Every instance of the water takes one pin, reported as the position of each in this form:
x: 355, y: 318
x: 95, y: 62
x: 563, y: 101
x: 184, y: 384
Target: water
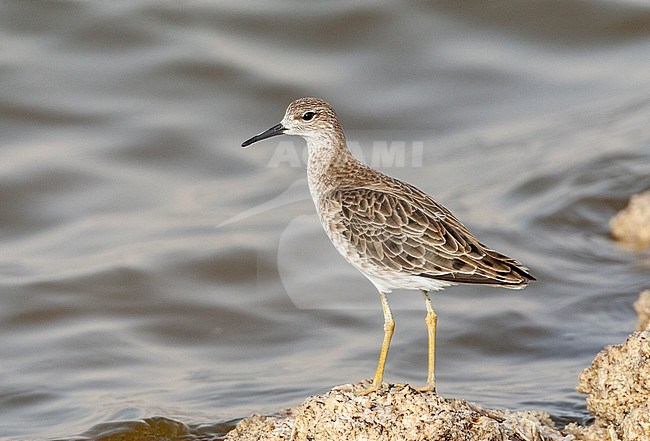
x: 157, y: 278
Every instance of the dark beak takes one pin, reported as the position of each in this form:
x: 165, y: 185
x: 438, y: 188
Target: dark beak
x: 273, y: 131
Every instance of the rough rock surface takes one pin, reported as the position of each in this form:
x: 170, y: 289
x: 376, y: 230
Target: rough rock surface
x: 617, y: 385
x: 632, y: 224
x: 396, y: 412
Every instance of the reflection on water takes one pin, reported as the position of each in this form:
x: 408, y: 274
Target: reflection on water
x: 156, y: 279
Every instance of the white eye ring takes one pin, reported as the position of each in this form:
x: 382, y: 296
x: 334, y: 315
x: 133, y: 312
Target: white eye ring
x: 308, y: 116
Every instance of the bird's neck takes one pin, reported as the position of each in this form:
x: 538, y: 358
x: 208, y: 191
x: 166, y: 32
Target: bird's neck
x: 328, y: 161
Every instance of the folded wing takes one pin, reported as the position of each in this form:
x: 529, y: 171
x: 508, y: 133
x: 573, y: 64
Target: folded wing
x: 407, y: 231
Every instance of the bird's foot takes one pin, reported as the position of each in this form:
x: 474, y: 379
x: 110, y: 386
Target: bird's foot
x: 374, y: 387
x: 427, y: 388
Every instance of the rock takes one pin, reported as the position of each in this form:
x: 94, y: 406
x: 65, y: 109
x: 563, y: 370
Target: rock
x: 396, y: 412
x: 632, y: 224
x: 589, y: 433
x: 636, y: 425
x: 257, y: 427
x: 642, y: 308
x: 617, y: 385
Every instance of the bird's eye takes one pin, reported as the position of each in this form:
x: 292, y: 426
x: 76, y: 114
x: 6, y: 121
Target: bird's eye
x: 308, y: 116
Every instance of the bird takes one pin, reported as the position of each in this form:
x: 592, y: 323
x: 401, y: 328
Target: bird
x: 395, y: 234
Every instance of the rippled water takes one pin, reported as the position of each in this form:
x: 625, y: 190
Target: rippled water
x: 151, y: 269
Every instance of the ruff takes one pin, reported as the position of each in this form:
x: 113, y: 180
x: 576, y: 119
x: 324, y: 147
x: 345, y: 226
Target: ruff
x: 392, y: 232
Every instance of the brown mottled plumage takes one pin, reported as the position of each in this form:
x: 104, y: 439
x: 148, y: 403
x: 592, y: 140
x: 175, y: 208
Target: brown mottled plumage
x: 391, y: 231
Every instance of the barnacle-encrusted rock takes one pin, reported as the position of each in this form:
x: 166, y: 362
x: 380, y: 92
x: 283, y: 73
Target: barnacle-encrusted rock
x: 617, y: 385
x: 397, y: 412
x: 632, y: 224
x: 618, y: 380
x: 636, y: 425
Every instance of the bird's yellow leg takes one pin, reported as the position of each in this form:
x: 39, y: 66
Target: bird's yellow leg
x: 389, y: 327
x: 431, y: 321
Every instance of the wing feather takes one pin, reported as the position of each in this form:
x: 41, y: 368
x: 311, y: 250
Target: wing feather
x: 407, y: 231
